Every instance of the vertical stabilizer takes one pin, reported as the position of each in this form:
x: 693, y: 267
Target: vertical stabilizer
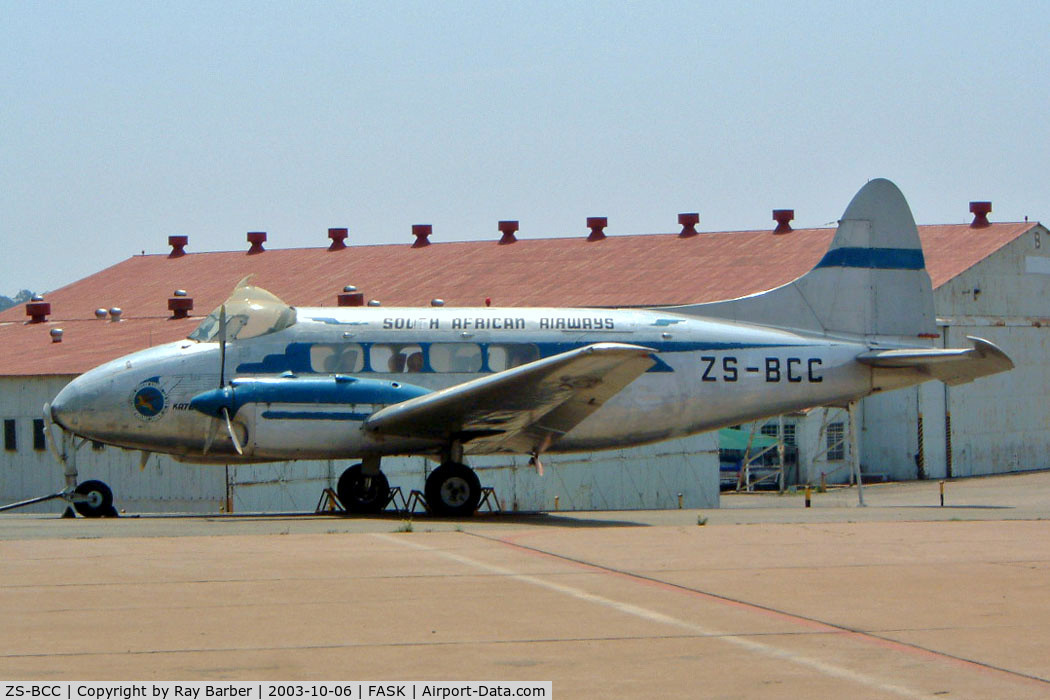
x: 871, y: 282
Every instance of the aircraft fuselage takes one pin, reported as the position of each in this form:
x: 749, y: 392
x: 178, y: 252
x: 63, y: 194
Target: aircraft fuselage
x: 707, y: 374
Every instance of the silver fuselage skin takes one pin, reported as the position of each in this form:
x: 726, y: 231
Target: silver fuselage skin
x: 708, y: 374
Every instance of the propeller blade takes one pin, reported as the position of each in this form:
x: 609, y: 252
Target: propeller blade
x: 535, y: 463
x: 222, y: 346
x: 210, y: 433
x: 233, y: 435
x: 49, y: 434
x: 143, y: 458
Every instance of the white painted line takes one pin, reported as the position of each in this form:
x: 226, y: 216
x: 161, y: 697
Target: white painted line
x: 827, y: 669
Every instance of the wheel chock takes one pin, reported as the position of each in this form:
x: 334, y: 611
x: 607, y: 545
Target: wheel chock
x: 329, y: 503
x: 395, y: 495
x: 488, y: 498
x: 416, y: 498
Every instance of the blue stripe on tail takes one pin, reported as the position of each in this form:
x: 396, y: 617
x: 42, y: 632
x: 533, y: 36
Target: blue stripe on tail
x: 874, y: 258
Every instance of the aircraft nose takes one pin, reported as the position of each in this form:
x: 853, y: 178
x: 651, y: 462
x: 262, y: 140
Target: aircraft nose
x: 67, y: 406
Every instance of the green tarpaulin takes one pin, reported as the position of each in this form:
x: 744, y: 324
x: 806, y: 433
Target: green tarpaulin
x: 732, y: 439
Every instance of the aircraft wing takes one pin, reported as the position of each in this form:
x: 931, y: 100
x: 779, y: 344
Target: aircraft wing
x: 522, y: 409
x: 951, y: 366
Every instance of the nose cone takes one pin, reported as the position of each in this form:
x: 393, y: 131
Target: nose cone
x: 68, y: 407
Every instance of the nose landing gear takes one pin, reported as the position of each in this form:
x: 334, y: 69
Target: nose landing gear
x: 93, y: 499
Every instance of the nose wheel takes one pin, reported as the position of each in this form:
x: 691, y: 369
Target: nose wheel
x: 93, y: 499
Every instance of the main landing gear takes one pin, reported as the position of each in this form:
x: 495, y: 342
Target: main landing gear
x: 452, y: 490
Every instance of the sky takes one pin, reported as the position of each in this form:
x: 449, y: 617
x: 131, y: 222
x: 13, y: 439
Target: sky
x: 122, y: 123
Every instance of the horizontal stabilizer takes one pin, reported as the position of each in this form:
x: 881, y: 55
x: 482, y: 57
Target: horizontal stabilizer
x: 524, y: 409
x: 951, y: 366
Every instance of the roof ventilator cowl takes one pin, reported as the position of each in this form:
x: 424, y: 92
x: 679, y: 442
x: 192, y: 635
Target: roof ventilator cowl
x: 980, y: 211
x: 338, y: 236
x: 178, y: 246
x: 179, y: 304
x: 350, y: 297
x: 783, y: 217
x: 38, y: 309
x: 422, y: 233
x: 688, y: 222
x: 597, y: 225
x: 256, y: 238
x: 508, y: 228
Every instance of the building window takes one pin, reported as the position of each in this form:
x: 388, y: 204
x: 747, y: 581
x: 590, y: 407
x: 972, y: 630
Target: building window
x: 10, y: 436
x: 770, y: 430
x: 789, y: 435
x: 97, y: 446
x: 39, y: 443
x: 836, y: 442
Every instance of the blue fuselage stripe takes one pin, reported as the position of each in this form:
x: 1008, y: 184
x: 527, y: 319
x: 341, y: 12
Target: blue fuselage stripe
x: 314, y: 415
x: 874, y: 258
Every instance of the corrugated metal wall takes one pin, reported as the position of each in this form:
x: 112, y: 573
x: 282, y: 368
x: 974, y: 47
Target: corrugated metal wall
x: 644, y: 477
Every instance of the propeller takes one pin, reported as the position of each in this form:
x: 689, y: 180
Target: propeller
x: 224, y: 410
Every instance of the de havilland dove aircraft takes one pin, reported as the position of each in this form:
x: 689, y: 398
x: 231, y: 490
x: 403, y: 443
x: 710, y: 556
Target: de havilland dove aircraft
x: 259, y: 380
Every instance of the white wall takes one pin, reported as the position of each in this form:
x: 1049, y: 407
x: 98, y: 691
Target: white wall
x: 645, y: 477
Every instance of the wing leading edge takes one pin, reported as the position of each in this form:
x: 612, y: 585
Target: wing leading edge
x: 524, y: 409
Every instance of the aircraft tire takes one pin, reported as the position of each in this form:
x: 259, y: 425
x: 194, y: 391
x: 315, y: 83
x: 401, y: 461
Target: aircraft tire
x: 99, y: 501
x: 363, y: 494
x: 453, y: 490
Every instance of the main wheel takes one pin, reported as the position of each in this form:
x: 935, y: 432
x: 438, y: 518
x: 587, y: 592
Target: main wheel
x: 98, y: 499
x: 453, y: 490
x: 363, y: 493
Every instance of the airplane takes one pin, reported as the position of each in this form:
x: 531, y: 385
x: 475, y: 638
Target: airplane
x: 259, y: 380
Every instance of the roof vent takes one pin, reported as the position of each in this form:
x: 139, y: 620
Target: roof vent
x: 101, y: 314
x: 178, y: 246
x: 374, y: 302
x: 36, y: 297
x: 437, y: 302
x: 256, y: 238
x: 179, y: 304
x: 980, y: 211
x: 56, y: 335
x: 115, y: 314
x: 783, y: 217
x: 688, y: 223
x: 596, y: 224
x: 422, y: 233
x: 350, y: 297
x: 338, y: 236
x: 507, y: 228
x: 37, y: 310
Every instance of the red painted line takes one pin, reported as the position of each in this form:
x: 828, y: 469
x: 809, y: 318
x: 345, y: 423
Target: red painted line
x: 816, y: 625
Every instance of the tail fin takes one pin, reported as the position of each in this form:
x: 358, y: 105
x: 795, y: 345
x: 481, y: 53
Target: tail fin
x: 871, y: 282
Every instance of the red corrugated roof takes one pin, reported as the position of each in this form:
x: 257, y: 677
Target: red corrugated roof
x: 638, y: 270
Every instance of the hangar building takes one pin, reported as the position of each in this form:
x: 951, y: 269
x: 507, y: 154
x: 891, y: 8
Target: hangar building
x: 990, y: 280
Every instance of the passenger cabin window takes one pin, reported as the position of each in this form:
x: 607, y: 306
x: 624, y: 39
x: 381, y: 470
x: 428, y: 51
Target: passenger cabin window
x: 397, y: 358
x: 10, y: 436
x: 332, y: 359
x: 455, y: 357
x: 503, y: 357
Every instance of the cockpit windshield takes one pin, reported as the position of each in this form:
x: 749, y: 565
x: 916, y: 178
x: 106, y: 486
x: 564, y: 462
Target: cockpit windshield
x: 250, y: 312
